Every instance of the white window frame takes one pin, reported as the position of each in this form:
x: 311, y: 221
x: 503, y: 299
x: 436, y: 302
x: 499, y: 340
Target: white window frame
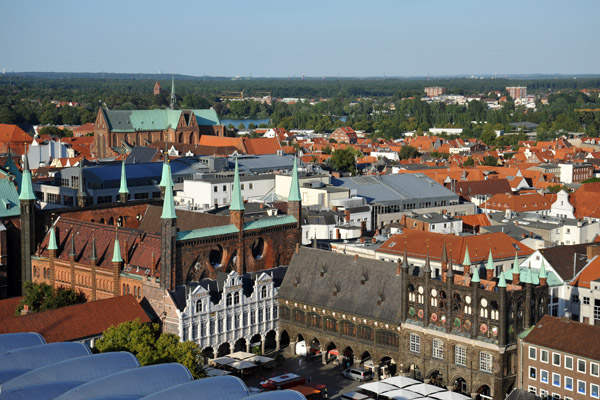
x: 532, y: 389
x: 542, y: 373
x: 460, y: 355
x: 592, y: 387
x: 486, y: 361
x: 554, y: 375
x: 437, y: 349
x: 415, y: 343
x: 556, y: 355
x: 584, y: 366
x: 584, y: 386
x: 543, y: 393
x: 534, y: 349
x: 592, y: 365
x: 568, y: 398
x: 547, y: 353
x: 567, y: 358
x: 534, y: 372
x: 566, y: 385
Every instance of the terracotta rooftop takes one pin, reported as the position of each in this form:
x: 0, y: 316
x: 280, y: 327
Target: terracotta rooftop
x: 260, y: 146
x: 8, y: 307
x: 77, y: 322
x: 552, y: 332
x: 519, y: 203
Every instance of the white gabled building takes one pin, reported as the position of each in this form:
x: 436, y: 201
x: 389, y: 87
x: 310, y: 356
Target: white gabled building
x: 561, y: 207
x: 231, y: 313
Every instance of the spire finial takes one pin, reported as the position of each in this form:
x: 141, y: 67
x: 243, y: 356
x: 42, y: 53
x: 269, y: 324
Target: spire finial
x: 26, y: 188
x: 237, y: 201
x: 93, y: 257
x: 467, y: 259
x: 168, y: 211
x: 173, y: 98
x: 490, y: 263
x: 123, y: 189
x: 543, y: 274
x: 475, y: 277
x: 52, y: 242
x: 117, y: 250
x: 405, y: 261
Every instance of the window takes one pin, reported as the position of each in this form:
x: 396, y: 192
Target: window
x: 586, y: 300
x: 594, y: 369
x: 220, y: 326
x: 575, y: 298
x: 543, y: 393
x: 224, y: 188
x: 229, y: 299
x: 532, y: 389
x: 438, y: 349
x: 263, y: 292
x: 242, y: 186
x: 212, y: 327
x: 568, y: 362
x: 556, y: 359
x: 568, y: 383
x: 199, y: 306
x: 556, y: 380
x: 236, y: 321
x: 580, y: 387
x: 581, y: 366
x: 532, y: 353
x: 485, y: 362
x: 415, y: 343
x: 228, y: 322
x: 543, y: 376
x: 215, y: 189
x: 532, y: 373
x: 236, y: 298
x: 544, y: 356
x: 594, y: 390
x: 460, y: 355
x: 251, y: 185
x: 245, y: 319
x: 253, y: 317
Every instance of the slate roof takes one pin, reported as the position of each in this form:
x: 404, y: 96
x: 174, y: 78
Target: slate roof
x: 141, y: 154
x: 561, y: 259
x: 78, y: 321
x: 186, y: 220
x: 345, y: 274
x: 550, y: 332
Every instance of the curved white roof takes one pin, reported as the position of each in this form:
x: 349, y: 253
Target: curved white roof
x: 17, y: 362
x: 44, y: 391
x: 278, y: 395
x: 13, y: 341
x: 78, y: 370
x: 218, y: 387
x: 136, y: 383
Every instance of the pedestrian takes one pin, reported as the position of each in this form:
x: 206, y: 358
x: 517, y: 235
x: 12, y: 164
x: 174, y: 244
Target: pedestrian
x: 300, y: 362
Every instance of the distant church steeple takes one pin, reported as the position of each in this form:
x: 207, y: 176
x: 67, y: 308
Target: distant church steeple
x: 173, y: 98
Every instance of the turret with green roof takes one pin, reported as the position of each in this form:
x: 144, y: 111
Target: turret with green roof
x: 502, y: 281
x: 475, y: 278
x: 516, y: 273
x: 52, y: 242
x: 489, y: 267
x: 543, y: 274
x: 168, y: 211
x: 467, y: 261
x: 117, y: 251
x: 123, y: 191
x: 27, y: 192
x: 295, y: 186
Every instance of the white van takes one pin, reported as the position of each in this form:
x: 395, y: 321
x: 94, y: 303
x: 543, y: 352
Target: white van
x: 358, y: 374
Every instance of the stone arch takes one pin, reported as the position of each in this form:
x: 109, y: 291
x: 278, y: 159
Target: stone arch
x: 284, y: 339
x: 414, y: 371
x: 224, y: 349
x: 387, y: 366
x: 208, y: 352
x: 541, y: 307
x: 270, y: 341
x: 366, y: 356
x: 460, y: 385
x: 258, y: 248
x: 436, y: 377
x: 215, y: 256
x: 348, y: 355
x: 299, y: 337
x: 256, y: 341
x: 483, y: 392
x: 240, y: 345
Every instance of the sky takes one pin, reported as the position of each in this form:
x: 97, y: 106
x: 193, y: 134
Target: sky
x: 283, y: 38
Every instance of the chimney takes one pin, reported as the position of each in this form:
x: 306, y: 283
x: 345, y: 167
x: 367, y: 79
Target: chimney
x: 152, y: 263
x: 297, y: 248
x: 362, y: 239
x: 25, y: 309
x: 355, y: 257
x: 347, y: 215
x: 516, y: 276
x: 592, y: 251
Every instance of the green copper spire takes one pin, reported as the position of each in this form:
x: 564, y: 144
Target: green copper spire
x: 26, y: 185
x: 475, y: 277
x: 543, y: 274
x: 123, y: 188
x: 168, y: 211
x: 117, y: 251
x: 52, y: 242
x: 237, y: 203
x: 165, y: 170
x: 490, y: 263
x: 515, y: 268
x: 502, y: 280
x: 295, y: 186
x: 467, y: 260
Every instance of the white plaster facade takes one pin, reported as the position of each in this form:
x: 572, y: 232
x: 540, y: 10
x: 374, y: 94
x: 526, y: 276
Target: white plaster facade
x: 206, y: 193
x: 561, y: 207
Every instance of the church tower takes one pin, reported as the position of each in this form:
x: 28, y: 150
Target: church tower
x: 173, y: 98
x: 169, y: 237
x: 236, y: 217
x: 294, y: 205
x: 27, y: 204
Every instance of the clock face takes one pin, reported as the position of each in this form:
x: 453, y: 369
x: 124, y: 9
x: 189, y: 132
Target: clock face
x: 484, y: 303
x: 468, y: 299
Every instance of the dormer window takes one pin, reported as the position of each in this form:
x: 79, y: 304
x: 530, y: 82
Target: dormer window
x: 263, y: 292
x: 199, y: 306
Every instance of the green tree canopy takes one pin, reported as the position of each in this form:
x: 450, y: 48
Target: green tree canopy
x: 42, y: 297
x: 469, y: 162
x: 407, y: 152
x: 344, y: 159
x: 150, y: 346
x: 490, y: 161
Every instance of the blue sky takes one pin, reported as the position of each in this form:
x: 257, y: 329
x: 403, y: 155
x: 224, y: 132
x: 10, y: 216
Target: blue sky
x: 290, y: 38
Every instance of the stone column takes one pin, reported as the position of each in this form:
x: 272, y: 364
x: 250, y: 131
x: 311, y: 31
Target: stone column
x: 277, y: 339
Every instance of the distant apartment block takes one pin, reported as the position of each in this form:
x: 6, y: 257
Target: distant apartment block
x: 435, y: 91
x: 517, y: 92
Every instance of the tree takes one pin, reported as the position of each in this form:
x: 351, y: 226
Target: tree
x: 42, y: 297
x: 490, y: 161
x: 407, y: 152
x: 469, y: 162
x: 150, y: 346
x: 54, y: 131
x: 344, y: 159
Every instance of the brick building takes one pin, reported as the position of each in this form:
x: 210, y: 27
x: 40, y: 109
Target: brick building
x: 459, y: 330
x: 560, y: 359
x: 344, y: 134
x: 517, y: 92
x: 435, y: 91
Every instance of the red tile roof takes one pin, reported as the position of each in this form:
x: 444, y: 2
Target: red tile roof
x: 79, y: 321
x: 567, y: 336
x: 14, y: 137
x: 519, y: 203
x: 260, y: 146
x: 8, y: 307
x: 589, y: 273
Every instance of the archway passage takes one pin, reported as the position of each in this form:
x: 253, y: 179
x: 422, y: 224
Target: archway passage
x: 387, y: 367
x: 208, y: 352
x: 436, y: 378
x: 484, y: 393
x: 299, y: 338
x: 284, y: 340
x: 240, y: 345
x: 348, y: 356
x: 215, y: 256
x: 460, y: 385
x: 232, y: 264
x: 224, y: 349
x: 270, y: 342
x: 332, y: 352
x: 414, y: 372
x: 256, y: 344
x: 258, y: 248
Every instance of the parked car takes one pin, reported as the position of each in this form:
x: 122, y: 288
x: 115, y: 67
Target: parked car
x: 358, y: 374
